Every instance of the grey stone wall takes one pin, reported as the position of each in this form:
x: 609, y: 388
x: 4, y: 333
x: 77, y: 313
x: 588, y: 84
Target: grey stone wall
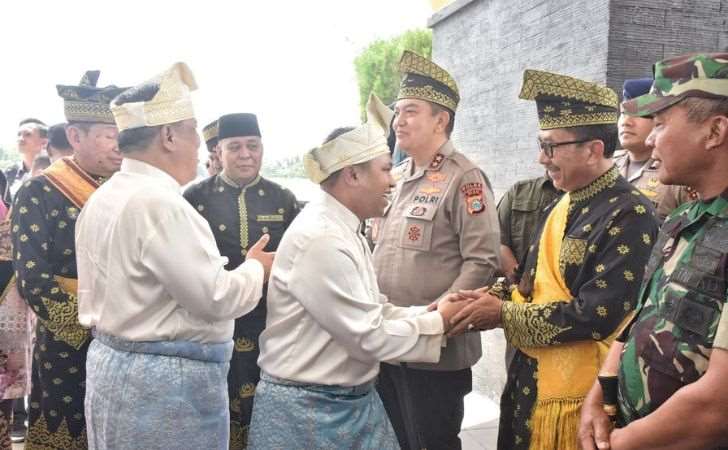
x: 644, y: 31
x: 486, y: 45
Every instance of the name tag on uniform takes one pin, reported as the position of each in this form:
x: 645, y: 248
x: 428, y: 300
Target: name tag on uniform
x: 269, y: 217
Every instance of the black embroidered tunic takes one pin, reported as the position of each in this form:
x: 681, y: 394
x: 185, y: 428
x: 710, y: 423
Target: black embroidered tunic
x: 609, y: 234
x: 238, y: 217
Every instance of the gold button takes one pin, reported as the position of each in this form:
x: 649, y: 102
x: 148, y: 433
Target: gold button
x: 222, y: 227
x: 261, y: 192
x: 265, y: 229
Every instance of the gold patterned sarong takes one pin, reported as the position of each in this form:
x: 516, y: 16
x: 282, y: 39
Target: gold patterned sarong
x: 566, y: 371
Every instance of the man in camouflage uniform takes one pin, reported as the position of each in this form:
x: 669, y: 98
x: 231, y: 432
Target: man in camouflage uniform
x: 241, y: 206
x: 635, y: 162
x: 44, y: 216
x: 672, y: 361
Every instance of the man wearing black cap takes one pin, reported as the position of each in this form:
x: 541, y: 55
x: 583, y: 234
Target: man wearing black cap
x: 635, y: 162
x: 213, y: 165
x: 44, y: 217
x: 241, y: 206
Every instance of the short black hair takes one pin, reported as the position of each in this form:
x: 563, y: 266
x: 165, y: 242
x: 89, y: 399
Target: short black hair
x: 436, y: 109
x: 83, y: 126
x: 605, y: 133
x: 31, y: 120
x: 57, y: 137
x: 336, y: 133
x: 41, y: 161
x: 137, y: 138
x: 40, y: 125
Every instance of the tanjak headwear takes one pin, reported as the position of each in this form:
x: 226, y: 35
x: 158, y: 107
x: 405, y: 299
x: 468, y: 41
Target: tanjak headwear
x: 86, y: 102
x: 172, y: 103
x: 422, y: 79
x: 565, y: 102
x: 357, y: 146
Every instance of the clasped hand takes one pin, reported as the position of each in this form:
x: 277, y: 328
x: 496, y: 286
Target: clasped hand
x: 468, y: 310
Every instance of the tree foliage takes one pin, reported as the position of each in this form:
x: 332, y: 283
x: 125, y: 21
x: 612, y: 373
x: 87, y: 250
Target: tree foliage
x: 376, y: 66
x: 285, y: 168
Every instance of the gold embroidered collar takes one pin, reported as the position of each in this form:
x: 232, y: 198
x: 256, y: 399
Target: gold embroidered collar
x: 606, y: 180
x: 231, y: 183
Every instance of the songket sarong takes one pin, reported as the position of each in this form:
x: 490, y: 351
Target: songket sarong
x: 157, y: 395
x: 16, y: 338
x: 290, y: 415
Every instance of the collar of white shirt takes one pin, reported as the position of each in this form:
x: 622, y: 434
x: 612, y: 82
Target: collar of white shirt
x: 136, y: 167
x: 349, y: 218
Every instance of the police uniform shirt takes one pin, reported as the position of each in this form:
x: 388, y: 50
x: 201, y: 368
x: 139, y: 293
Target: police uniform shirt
x: 665, y: 198
x: 439, y: 235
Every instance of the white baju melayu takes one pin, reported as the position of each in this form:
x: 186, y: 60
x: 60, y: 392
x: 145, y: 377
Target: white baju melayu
x: 153, y: 286
x: 327, y: 329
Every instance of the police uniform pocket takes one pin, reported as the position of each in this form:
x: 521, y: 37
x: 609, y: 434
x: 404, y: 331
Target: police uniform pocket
x: 417, y: 231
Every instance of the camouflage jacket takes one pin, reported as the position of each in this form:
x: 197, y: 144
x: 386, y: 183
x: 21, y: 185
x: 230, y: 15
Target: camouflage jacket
x: 679, y: 320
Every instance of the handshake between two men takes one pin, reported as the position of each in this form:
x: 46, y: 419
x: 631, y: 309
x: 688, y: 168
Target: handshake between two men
x: 470, y: 310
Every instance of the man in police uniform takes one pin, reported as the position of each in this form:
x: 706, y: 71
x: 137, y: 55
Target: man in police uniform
x: 209, y: 133
x: 44, y: 217
x: 635, y: 162
x: 672, y: 361
x: 240, y: 207
x: 439, y: 235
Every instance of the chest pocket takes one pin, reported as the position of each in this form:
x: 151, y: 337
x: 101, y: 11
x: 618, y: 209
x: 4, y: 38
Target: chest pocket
x: 688, y: 318
x: 418, y: 224
x: 524, y: 212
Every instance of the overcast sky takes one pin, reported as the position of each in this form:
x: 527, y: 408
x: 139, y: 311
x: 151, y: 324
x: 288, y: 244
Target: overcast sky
x: 288, y: 61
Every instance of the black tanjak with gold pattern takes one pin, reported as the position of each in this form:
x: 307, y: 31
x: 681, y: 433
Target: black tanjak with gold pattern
x: 608, y: 238
x: 209, y: 133
x: 88, y: 103
x: 565, y: 102
x: 424, y: 80
x: 43, y: 224
x: 238, y: 218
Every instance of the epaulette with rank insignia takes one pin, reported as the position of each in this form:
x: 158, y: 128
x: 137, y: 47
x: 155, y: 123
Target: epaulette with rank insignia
x: 437, y: 162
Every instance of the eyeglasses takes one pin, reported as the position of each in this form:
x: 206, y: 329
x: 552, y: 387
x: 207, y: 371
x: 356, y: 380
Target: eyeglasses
x: 548, y: 147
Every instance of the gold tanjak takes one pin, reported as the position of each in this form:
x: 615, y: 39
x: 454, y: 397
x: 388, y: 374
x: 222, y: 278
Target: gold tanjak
x: 359, y: 145
x: 171, y: 104
x: 210, y: 131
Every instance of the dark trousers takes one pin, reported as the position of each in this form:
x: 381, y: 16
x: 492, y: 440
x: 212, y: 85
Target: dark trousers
x: 425, y: 406
x: 20, y: 414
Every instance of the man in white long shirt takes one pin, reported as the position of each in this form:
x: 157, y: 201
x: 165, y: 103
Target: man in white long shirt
x: 153, y: 286
x: 327, y: 326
